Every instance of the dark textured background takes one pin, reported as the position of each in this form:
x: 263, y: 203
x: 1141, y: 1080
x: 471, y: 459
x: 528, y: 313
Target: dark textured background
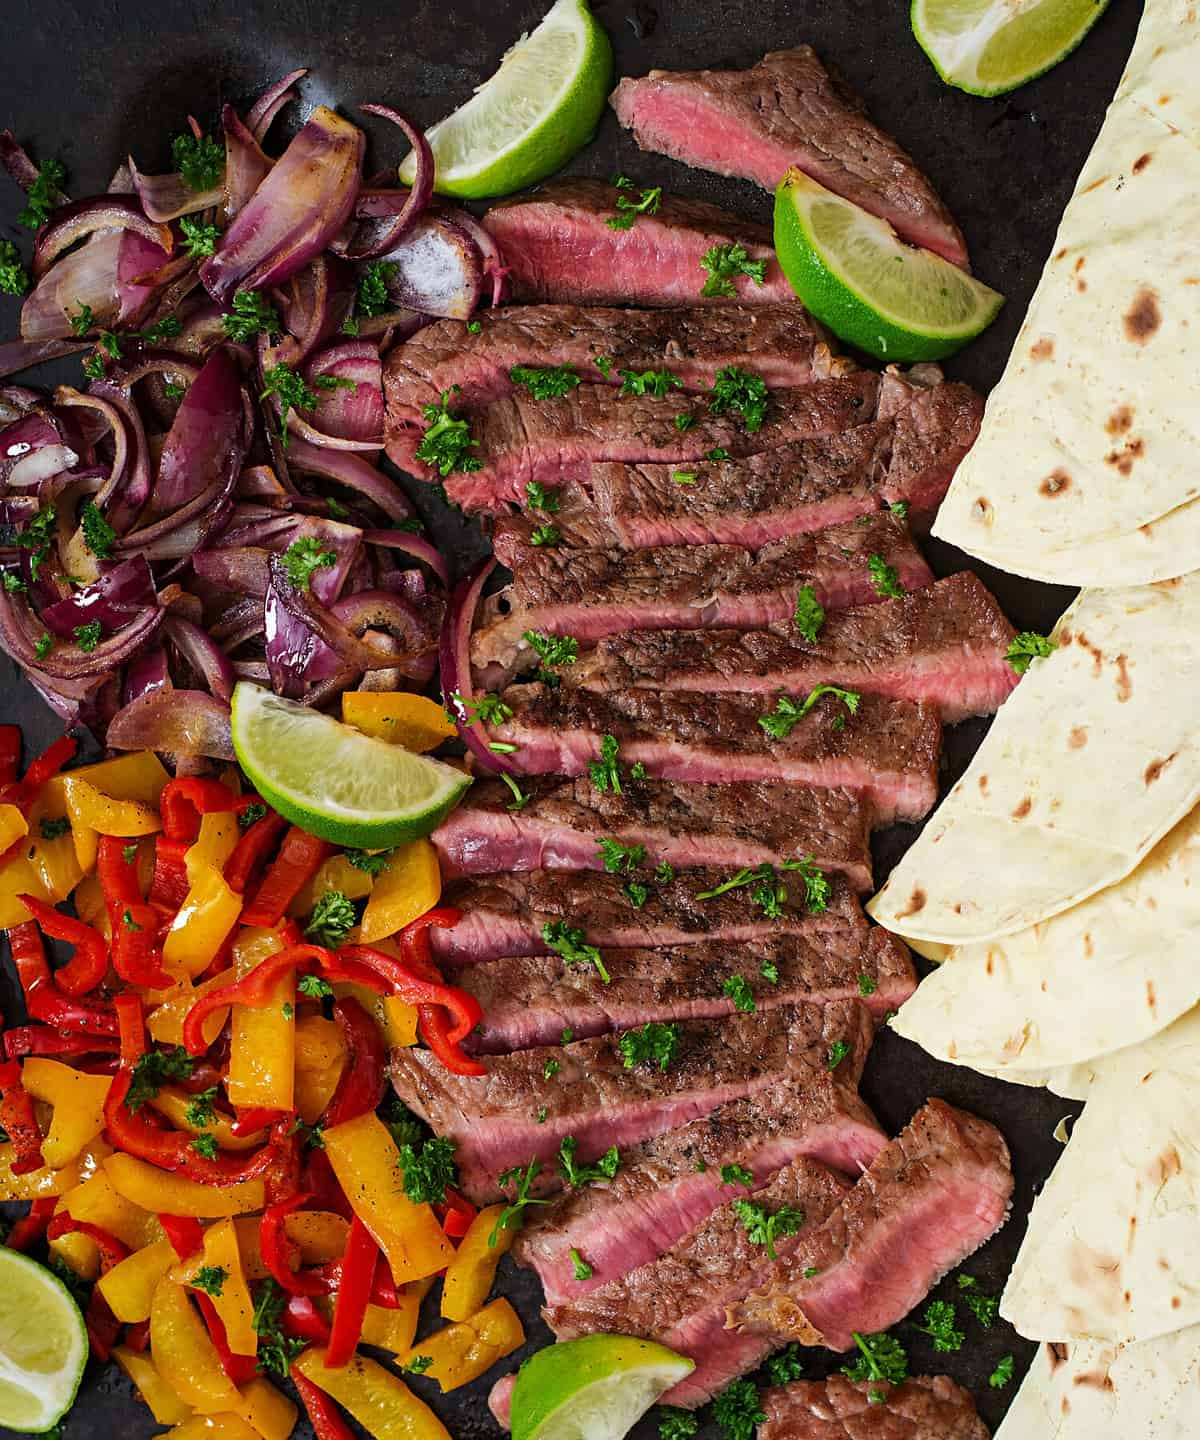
x: 90, y: 81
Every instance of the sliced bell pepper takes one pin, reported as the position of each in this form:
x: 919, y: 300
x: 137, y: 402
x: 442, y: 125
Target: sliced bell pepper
x: 267, y: 1409
x: 165, y: 1021
x: 90, y: 906
x: 24, y: 1040
x: 138, y: 776
x: 216, y: 842
x: 262, y: 1057
x: 169, y: 886
x: 97, y: 1203
x: 25, y: 791
x: 88, y: 966
x: 137, y: 1337
x: 213, y: 1427
x: 209, y: 912
x: 303, y: 1321
x: 239, y: 1368
x: 396, y: 1020
x: 336, y: 873
x: 409, y: 885
x: 457, y: 1214
x: 318, y: 1235
x: 38, y: 1184
x: 185, y: 1234
x: 358, y: 1271
x: 103, y: 1327
x: 184, y: 1353
x: 400, y: 718
x: 29, y: 1229
x: 364, y: 1159
x: 252, y: 850
x: 134, y: 925
x: 471, y: 1274
x: 276, y: 1249
x: 187, y: 799
x: 319, y: 1042
x: 129, y: 1287
x: 78, y: 1106
x: 464, y: 1351
x: 12, y: 826
x: 300, y: 856
x: 92, y: 814
x: 19, y: 877
x: 323, y: 1414
x: 314, y: 1089
x: 380, y: 1402
x: 155, y: 1190
x: 175, y: 1103
x: 159, y: 1398
x: 365, y: 1077
x: 76, y: 1251
x: 19, y: 1120
x: 394, y: 1328
x: 43, y: 999
x: 112, y: 1252
x: 440, y: 1027
x: 232, y: 1303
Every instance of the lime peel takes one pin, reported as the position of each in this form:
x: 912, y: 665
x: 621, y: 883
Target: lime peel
x: 43, y: 1345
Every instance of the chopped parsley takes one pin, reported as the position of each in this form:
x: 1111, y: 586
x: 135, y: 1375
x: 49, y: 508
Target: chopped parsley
x: 152, y: 1072
x: 717, y: 453
x: 939, y: 1325
x: 736, y: 1410
x: 629, y: 209
x: 636, y: 893
x: 489, y: 709
x: 1002, y: 1374
x: 129, y: 853
x: 676, y: 1424
x: 81, y: 321
x: 93, y: 366
x: 253, y: 314
x: 429, y: 1170
x: 550, y: 1069
x: 129, y: 922
x: 899, y: 509
x: 292, y: 392
x: 87, y: 637
x: 13, y: 583
x: 165, y: 329
x: 289, y: 1010
x: 739, y: 392
x: 571, y: 946
x: 402, y: 1124
x: 316, y: 987
x: 684, y: 421
x: 737, y: 1175
x: 446, y: 444
x: 583, y: 1271
x: 251, y: 815
x: 474, y: 327
x: 14, y: 279
x: 866, y: 985
x: 545, y: 535
x: 985, y: 1308
x: 200, y: 1110
x: 38, y: 536
x: 43, y: 645
x: 620, y: 859
x: 547, y: 382
x: 664, y: 873
x: 369, y: 862
x: 302, y: 557
x: 810, y: 613
x: 44, y: 195
x: 567, y: 1035
x: 205, y: 1146
x: 98, y: 534
x: 737, y: 989
x: 649, y: 382
x: 513, y: 1215
x: 199, y: 237
x: 882, y: 1359
x: 769, y: 972
x: 605, y: 772
x: 769, y: 893
x: 210, y: 1278
x: 578, y: 1176
x: 199, y: 160
x: 276, y: 1351
x: 723, y: 262
x: 417, y: 1365
x: 604, y: 365
x: 1027, y: 647
x: 763, y: 1228
x: 683, y: 477
x: 885, y: 578
x: 653, y: 1044
x: 552, y: 651
x: 54, y: 829
x: 520, y: 799
x: 372, y: 296
x: 837, y: 1053
x: 539, y: 497
x: 332, y: 919
x: 780, y: 722
x: 786, y: 1366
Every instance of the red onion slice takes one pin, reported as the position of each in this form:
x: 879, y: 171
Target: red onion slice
x: 74, y: 222
x: 246, y: 167
x: 132, y: 489
x: 494, y: 268
x: 353, y: 472
x: 388, y: 216
x: 18, y: 355
x: 167, y: 197
x: 208, y: 440
x: 269, y: 104
x: 202, y: 653
x: 315, y: 306
x: 87, y: 276
x: 175, y: 722
x: 20, y: 167
x: 415, y: 545
x: 454, y: 654
x: 438, y: 270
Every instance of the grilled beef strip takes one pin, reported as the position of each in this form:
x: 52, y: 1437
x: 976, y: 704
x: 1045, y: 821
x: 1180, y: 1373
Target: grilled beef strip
x: 788, y: 110
x: 687, y: 826
x: 513, y: 1114
x: 529, y: 1001
x: 945, y: 644
x: 929, y: 1199
x: 924, y: 1407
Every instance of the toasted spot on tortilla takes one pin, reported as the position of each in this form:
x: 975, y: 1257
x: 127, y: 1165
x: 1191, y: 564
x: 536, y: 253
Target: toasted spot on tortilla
x: 1166, y: 1166
x: 1042, y: 349
x: 1141, y: 162
x: 1078, y: 737
x: 1120, y: 421
x: 1089, y: 945
x: 1123, y: 459
x: 1176, y: 1302
x: 1124, y: 683
x: 1056, y: 1354
x: 1156, y: 768
x: 983, y: 785
x: 1055, y: 483
x: 1023, y: 808
x: 1096, y: 184
x: 1151, y: 996
x: 1094, y: 1379
x: 1144, y: 317
x: 916, y: 903
x: 1081, y: 285
x: 982, y: 510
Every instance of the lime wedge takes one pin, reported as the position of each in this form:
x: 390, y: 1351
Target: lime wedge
x: 43, y: 1345
x: 851, y: 270
x: 537, y: 110
x: 334, y: 781
x: 989, y: 46
x: 596, y: 1388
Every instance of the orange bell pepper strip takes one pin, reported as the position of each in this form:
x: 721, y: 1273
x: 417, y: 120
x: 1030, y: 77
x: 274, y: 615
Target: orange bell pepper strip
x: 184, y: 1353
x: 78, y: 1106
x: 13, y: 827
x: 465, y: 1351
x: 44, y: 1183
x: 393, y: 1328
x: 319, y: 1042
x: 153, y: 1189
x: 165, y: 1021
x: 409, y: 884
x: 381, y: 1402
x: 471, y: 1274
x: 269, y: 1412
x: 400, y: 718
x: 336, y: 873
x: 299, y: 857
x: 205, y: 920
x: 129, y: 1287
x: 224, y: 1426
x: 159, y: 1398
x: 176, y: 1103
x: 231, y: 1299
x: 98, y: 1203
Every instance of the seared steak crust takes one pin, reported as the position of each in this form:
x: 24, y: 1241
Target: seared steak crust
x: 925, y: 1407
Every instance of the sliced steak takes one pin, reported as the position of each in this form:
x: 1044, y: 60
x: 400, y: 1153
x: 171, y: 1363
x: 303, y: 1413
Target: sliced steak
x: 532, y: 1000
x: 514, y: 1114
x: 557, y: 246
x: 503, y: 915
x: 593, y: 593
x: 668, y: 1185
x: 687, y: 826
x: 780, y: 342
x: 930, y: 1199
x: 934, y: 424
x: 787, y: 110
x: 945, y: 644
x: 888, y: 750
x: 680, y: 1298
x: 522, y: 440
x: 925, y: 1407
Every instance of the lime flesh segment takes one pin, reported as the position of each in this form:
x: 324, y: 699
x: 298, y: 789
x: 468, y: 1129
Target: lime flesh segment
x: 988, y: 47
x: 890, y: 299
x: 596, y: 1388
x: 43, y: 1345
x: 541, y: 107
x: 334, y: 781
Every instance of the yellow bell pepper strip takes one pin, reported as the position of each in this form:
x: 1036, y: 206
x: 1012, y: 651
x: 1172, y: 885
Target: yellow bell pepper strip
x: 185, y: 1355
x: 318, y: 1235
x: 381, y: 1403
x: 165, y: 1021
x: 409, y: 884
x: 364, y: 1159
x: 397, y: 1020
x: 223, y: 1426
x: 12, y: 826
x: 92, y: 814
x: 219, y: 834
x: 336, y: 873
x: 162, y: 1402
x: 465, y: 1351
x: 53, y: 860
x: 180, y: 1108
x: 267, y: 1410
x: 412, y: 721
x: 19, y: 877
x: 90, y: 906
x: 262, y: 1057
x: 168, y: 1194
x: 471, y: 1274
x: 314, y: 1089
x: 78, y: 1106
x: 129, y: 1287
x: 319, y: 1042
x: 208, y: 914
x: 394, y: 1330
x: 96, y: 1202
x: 78, y: 1252
x: 231, y: 1297
x: 138, y: 776
x: 37, y: 1184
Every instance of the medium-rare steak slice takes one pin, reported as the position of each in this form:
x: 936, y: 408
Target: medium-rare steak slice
x: 780, y: 342
x: 924, y: 1407
x: 557, y: 246
x: 687, y: 826
x: 514, y: 1114
x: 787, y: 110
x: 935, y: 423
x: 593, y: 593
x: 531, y: 1000
x: 930, y: 1199
x: 521, y: 440
x: 680, y: 1298
x: 669, y: 1184
x: 887, y: 750
x: 945, y: 644
x: 504, y: 915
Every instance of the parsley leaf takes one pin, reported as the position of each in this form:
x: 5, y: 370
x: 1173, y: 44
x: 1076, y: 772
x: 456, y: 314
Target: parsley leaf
x: 545, y: 535
x: 628, y: 209
x: 604, y: 365
x: 723, y: 262
x: 810, y: 613
x: 314, y: 986
x: 717, y: 453
x: 153, y: 1071
x: 676, y: 1424
x: 369, y: 862
x: 520, y: 799
x: 546, y: 382
x: 605, y: 773
x: 736, y: 1410
x: 648, y: 382
x: 866, y: 985
x: 165, y: 329
x: 44, y: 195
x: 684, y: 421
x: 372, y: 296
x: 200, y: 1110
x: 883, y: 1358
x: 683, y: 477
x: 276, y: 1351
x: 81, y: 321
x: 403, y: 1125
x: 570, y: 945
x: 13, y: 277
x: 1027, y: 647
x: 636, y: 893
x: 210, y: 1278
x: 786, y: 1366
x: 428, y: 1171
x: 541, y: 498
x: 899, y: 508
x: 620, y: 858
x: 98, y: 534
x: 737, y: 989
x: 332, y: 919
x: 583, y: 1271
x: 885, y: 578
x: 577, y: 1176
x: 199, y: 160
x: 1002, y: 1374
x: 769, y: 972
x: 763, y: 1228
x: 837, y: 1053
x: 205, y: 1146
x: 550, y: 1069
x: 293, y: 394
x: 737, y: 1175
x: 742, y: 393
x: 513, y: 1215
x: 985, y: 1308
x: 781, y: 721
x: 54, y: 829
x: 199, y: 238
x: 417, y: 1365
x: 653, y: 1044
x: 446, y: 444
x: 488, y: 709
x: 251, y: 815
x: 769, y: 893
x: 302, y: 557
x: 253, y: 314
x: 939, y: 1325
x: 87, y: 637
x: 38, y: 536
x: 552, y: 651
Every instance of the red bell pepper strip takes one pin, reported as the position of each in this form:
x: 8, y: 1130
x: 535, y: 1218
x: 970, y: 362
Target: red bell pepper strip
x: 169, y: 885
x: 19, y: 1120
x: 251, y: 850
x: 10, y: 753
x: 25, y: 791
x: 134, y: 924
x: 29, y: 1229
x: 319, y: 1181
x: 185, y: 1233
x: 253, y: 990
x: 441, y: 1029
x: 364, y: 1075
x: 246, y: 1122
x: 43, y: 999
x: 185, y: 799
x: 303, y: 1320
x: 88, y: 966
x: 458, y: 1214
x: 137, y: 1337
x: 326, y: 1419
x: 354, y: 1293
x: 240, y: 1369
x: 103, y: 1327
x: 299, y: 858
x: 383, y: 1291
x: 42, y: 1040
x: 276, y: 1247
x: 112, y: 1250
x: 416, y: 980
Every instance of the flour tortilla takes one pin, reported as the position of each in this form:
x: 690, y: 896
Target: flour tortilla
x: 1108, y: 973
x: 1110, y: 1251
x: 1110, y: 1392
x: 1092, y: 759
x: 1094, y: 428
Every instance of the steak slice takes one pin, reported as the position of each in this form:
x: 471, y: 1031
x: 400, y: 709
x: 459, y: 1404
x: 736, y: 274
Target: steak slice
x: 513, y: 1114
x: 924, y: 1407
x: 680, y: 1298
x: 930, y: 1199
x: 522, y: 440
x: 503, y: 915
x: 787, y: 110
x: 669, y: 1184
x: 594, y: 593
x: 945, y: 644
x: 780, y: 342
x: 888, y: 750
x: 556, y: 246
x: 530, y: 1001
x: 687, y: 826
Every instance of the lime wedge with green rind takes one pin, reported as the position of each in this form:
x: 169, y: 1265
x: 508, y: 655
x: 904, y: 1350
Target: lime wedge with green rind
x: 538, y: 110
x: 43, y: 1345
x: 988, y: 47
x: 334, y: 781
x: 595, y: 1388
x: 893, y: 300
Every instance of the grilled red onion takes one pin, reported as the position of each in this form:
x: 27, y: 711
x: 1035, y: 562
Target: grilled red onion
x: 205, y: 657
x: 353, y: 472
x: 85, y: 277
x: 454, y: 655
x: 115, y: 599
x: 355, y: 414
x: 72, y: 223
x: 167, y: 197
x: 176, y: 722
x: 385, y: 216
x: 209, y: 439
x: 269, y: 104
x: 415, y: 545
x: 144, y: 674
x: 20, y: 167
x: 315, y: 306
x: 494, y: 268
x: 439, y: 270
x: 18, y: 355
x: 246, y: 167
